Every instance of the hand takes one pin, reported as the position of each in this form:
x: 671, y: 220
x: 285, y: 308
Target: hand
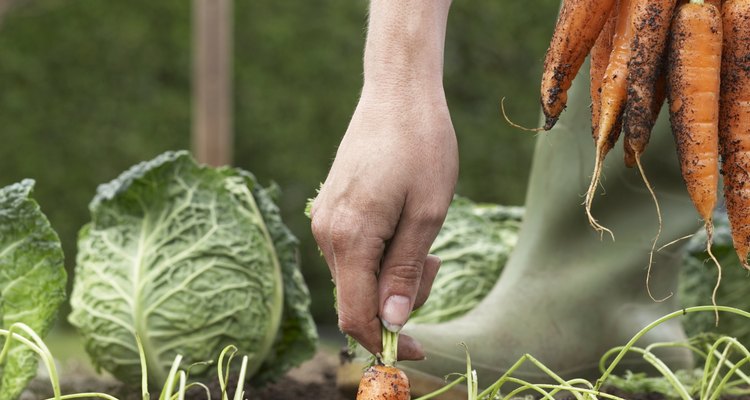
x: 381, y: 207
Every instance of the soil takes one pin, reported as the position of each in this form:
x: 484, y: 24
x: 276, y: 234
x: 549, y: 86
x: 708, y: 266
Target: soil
x: 315, y: 379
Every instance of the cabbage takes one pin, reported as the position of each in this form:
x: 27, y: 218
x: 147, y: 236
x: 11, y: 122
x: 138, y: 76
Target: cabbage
x: 32, y: 280
x: 698, y: 278
x: 473, y: 244
x: 191, y: 259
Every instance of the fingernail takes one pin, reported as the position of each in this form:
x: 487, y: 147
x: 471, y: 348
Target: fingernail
x: 395, y: 312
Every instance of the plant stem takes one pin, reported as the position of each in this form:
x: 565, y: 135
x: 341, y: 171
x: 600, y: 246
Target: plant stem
x: 389, y: 355
x: 658, y: 322
x: 443, y: 389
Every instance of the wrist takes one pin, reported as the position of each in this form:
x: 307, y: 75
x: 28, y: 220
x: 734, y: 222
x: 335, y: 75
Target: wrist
x: 405, y: 40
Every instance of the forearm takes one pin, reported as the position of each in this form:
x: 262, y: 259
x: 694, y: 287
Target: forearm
x: 404, y: 48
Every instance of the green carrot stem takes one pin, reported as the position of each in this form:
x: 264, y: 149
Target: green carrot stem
x: 389, y: 355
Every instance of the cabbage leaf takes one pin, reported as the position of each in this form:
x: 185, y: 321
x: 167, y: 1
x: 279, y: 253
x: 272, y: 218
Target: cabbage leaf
x: 191, y: 259
x: 32, y: 279
x: 473, y: 245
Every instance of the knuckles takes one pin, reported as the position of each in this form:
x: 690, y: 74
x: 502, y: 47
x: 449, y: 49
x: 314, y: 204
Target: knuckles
x: 403, y: 275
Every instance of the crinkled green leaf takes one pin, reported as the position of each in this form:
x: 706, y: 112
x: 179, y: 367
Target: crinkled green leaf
x: 181, y: 255
x: 32, y: 279
x: 473, y: 244
x: 298, y: 337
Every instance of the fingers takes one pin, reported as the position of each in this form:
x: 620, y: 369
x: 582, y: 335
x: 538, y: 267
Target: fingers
x: 400, y: 281
x: 430, y: 270
x: 409, y: 349
x: 353, y: 254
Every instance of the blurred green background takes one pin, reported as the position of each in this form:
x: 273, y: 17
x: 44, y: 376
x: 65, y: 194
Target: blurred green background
x: 90, y: 87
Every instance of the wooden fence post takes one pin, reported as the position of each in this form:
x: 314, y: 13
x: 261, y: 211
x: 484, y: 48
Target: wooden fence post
x: 212, y: 137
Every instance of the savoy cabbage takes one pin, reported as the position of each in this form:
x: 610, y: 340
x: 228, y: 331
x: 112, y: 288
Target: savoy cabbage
x: 32, y: 280
x: 473, y: 245
x: 190, y: 259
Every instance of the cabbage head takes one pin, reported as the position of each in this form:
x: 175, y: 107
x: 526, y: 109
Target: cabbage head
x: 698, y: 278
x: 473, y: 244
x: 32, y: 280
x: 190, y: 259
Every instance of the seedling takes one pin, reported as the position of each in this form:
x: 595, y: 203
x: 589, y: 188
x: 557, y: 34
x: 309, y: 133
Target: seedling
x: 721, y: 371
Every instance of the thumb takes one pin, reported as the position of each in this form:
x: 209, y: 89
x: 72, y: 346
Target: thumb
x: 401, y: 274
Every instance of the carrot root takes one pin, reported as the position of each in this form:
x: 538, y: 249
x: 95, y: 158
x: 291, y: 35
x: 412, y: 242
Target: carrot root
x: 515, y: 125
x: 709, y: 241
x: 591, y: 192
x: 383, y: 382
x: 658, y: 232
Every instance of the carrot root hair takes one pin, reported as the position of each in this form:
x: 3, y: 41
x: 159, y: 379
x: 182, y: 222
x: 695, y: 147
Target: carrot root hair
x: 675, y: 242
x: 592, y: 191
x: 515, y: 125
x: 709, y: 242
x: 658, y: 232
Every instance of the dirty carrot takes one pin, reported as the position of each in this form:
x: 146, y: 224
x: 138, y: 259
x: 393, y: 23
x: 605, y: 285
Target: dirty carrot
x: 599, y: 61
x: 577, y: 28
x: 693, y: 84
x: 383, y: 381
x: 646, y: 92
x: 636, y: 137
x: 693, y: 90
x: 734, y: 121
x: 613, y: 96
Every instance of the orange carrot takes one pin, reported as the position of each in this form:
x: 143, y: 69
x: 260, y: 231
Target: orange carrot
x: 381, y: 382
x: 693, y: 90
x: 734, y: 121
x: 577, y: 28
x: 599, y: 61
x: 637, y: 137
x: 651, y: 21
x: 613, y: 95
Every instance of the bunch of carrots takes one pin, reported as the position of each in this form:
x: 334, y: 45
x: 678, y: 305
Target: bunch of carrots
x: 695, y: 54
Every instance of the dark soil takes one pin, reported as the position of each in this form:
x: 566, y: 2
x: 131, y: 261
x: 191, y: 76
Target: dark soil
x: 315, y: 379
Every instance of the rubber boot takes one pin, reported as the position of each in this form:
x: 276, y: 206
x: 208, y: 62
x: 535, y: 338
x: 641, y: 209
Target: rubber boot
x: 567, y: 294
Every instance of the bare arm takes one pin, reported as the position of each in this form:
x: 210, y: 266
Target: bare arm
x: 390, y: 185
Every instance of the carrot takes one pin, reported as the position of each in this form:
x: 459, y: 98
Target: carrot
x: 693, y: 91
x: 381, y: 382
x: 734, y: 121
x: 636, y: 137
x: 716, y: 3
x: 577, y: 28
x: 599, y: 61
x: 613, y: 95
x: 693, y: 84
x: 651, y: 21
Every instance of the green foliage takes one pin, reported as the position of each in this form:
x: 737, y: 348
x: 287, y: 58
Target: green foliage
x: 191, y: 259
x: 640, y: 383
x: 32, y: 280
x: 91, y: 87
x: 473, y: 245
x: 698, y: 278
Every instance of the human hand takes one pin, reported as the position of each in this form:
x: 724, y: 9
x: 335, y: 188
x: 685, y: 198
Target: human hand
x: 381, y: 207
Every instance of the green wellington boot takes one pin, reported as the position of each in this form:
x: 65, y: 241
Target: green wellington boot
x: 567, y: 295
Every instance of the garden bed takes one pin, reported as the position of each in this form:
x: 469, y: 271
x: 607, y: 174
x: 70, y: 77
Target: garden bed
x: 315, y: 379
